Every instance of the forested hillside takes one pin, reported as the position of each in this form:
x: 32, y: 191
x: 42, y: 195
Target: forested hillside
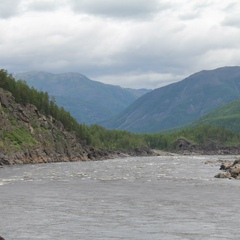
x: 226, y: 116
x: 92, y: 135
x: 34, y: 127
x: 180, y: 103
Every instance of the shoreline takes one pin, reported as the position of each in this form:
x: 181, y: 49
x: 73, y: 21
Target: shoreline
x: 92, y: 154
x: 230, y: 168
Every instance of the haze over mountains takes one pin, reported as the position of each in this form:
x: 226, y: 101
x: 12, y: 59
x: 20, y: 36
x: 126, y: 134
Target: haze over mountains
x: 88, y: 101
x: 180, y: 103
x: 140, y: 111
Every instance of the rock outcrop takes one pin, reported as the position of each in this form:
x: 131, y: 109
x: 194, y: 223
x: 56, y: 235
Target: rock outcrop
x: 230, y: 170
x: 184, y: 147
x: 27, y: 136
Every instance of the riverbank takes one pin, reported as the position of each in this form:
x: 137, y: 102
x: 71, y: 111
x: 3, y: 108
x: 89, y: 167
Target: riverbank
x: 92, y: 154
x: 84, y: 154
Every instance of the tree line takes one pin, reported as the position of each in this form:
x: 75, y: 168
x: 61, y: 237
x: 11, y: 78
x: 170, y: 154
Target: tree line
x: 100, y: 137
x: 93, y: 135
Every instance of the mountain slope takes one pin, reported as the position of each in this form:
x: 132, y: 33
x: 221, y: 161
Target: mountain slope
x: 27, y: 136
x: 226, y: 116
x: 180, y: 103
x: 87, y: 100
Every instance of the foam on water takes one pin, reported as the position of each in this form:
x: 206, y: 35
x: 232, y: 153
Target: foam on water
x: 133, y: 198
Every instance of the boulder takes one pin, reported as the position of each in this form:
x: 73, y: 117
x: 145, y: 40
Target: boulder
x: 234, y: 170
x: 225, y: 166
x: 231, y: 170
x: 223, y: 175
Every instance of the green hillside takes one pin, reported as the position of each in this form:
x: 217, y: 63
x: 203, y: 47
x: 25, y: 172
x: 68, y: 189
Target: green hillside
x: 226, y: 116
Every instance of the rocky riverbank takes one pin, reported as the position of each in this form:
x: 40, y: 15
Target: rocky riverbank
x: 85, y: 154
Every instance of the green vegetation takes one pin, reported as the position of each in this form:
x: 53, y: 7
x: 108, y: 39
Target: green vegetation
x: 98, y: 136
x: 92, y: 135
x: 19, y: 136
x: 201, y: 136
x: 226, y: 116
x: 115, y: 139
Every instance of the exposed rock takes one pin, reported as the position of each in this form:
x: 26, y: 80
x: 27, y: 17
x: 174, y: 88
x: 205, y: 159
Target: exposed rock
x: 225, y: 165
x: 182, y: 146
x: 231, y: 170
x: 234, y: 170
x: 237, y: 161
x: 223, y: 175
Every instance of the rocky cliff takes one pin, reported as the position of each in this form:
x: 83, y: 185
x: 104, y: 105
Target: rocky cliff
x: 26, y: 136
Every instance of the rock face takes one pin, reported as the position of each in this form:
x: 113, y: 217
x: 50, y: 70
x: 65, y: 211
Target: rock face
x: 26, y: 136
x: 231, y: 170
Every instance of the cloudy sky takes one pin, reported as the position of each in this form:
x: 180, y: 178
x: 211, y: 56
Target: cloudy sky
x: 131, y: 43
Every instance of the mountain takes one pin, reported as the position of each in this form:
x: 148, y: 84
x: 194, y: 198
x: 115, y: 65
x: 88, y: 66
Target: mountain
x: 88, y: 101
x: 180, y: 103
x: 34, y: 129
x: 226, y: 116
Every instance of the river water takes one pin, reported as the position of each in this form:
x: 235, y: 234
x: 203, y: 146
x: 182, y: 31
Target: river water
x: 155, y: 198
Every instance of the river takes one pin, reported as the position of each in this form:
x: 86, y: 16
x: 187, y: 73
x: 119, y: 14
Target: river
x: 137, y: 198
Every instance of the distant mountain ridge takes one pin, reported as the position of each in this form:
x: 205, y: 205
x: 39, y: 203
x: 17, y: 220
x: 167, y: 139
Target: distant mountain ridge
x: 88, y: 101
x: 180, y: 103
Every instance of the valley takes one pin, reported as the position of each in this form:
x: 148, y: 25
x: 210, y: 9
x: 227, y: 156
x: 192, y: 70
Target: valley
x: 35, y: 127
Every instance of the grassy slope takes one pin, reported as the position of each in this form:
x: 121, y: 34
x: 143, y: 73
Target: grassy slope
x: 226, y: 116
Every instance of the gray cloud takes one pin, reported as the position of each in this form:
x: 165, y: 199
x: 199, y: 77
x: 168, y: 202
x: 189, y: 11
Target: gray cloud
x: 123, y: 45
x: 231, y: 14
x: 232, y: 6
x: 232, y: 21
x: 141, y: 79
x: 9, y: 8
x: 189, y: 16
x: 122, y: 9
x: 43, y: 5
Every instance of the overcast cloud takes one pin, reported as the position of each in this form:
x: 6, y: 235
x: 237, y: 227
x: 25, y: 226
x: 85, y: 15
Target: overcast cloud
x: 131, y: 43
